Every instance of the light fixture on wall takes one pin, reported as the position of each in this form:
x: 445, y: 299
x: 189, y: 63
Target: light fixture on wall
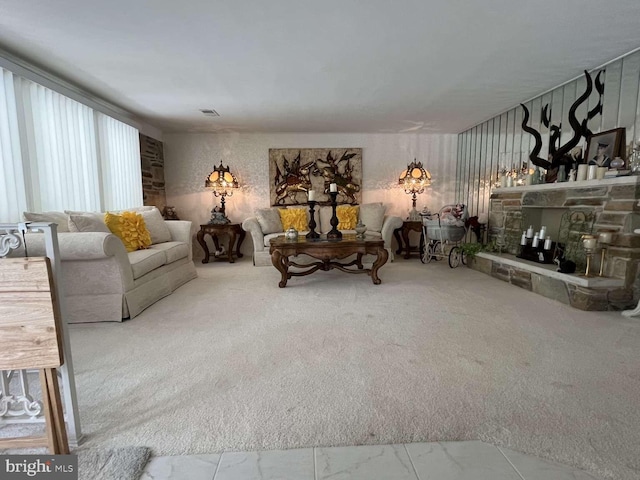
x: 414, y: 180
x: 223, y: 183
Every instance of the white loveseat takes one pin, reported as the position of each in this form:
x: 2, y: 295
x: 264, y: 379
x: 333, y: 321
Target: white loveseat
x: 105, y: 283
x: 372, y: 215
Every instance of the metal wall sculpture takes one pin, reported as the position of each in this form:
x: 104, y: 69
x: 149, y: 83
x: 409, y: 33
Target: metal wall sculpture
x: 560, y: 154
x: 295, y: 171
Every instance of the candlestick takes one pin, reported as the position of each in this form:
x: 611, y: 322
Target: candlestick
x: 333, y: 187
x: 312, y: 220
x: 334, y: 233
x: 589, y: 242
x: 312, y: 195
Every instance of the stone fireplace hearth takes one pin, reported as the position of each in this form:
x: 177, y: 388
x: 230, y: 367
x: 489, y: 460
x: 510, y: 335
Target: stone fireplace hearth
x: 614, y: 206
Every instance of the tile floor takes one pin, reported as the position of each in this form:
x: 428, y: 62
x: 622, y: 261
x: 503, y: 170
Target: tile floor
x: 471, y: 460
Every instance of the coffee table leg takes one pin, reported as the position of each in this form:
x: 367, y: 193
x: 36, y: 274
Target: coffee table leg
x: 359, y: 261
x: 381, y: 259
x: 278, y: 261
x: 203, y: 244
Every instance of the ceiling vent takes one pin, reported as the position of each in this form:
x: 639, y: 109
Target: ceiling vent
x: 210, y: 112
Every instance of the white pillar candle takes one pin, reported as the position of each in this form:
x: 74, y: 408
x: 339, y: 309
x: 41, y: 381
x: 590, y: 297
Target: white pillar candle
x: 530, y: 231
x: 509, y: 181
x: 534, y: 244
x: 590, y: 243
x: 592, y: 172
x: 312, y: 195
x: 547, y: 243
x: 543, y: 232
x: 605, y: 237
x: 333, y: 187
x: 523, y: 239
x: 582, y: 172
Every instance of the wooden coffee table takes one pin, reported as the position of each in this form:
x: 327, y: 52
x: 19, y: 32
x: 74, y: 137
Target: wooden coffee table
x: 328, y: 252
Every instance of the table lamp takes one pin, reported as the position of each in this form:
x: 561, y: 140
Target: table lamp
x: 223, y: 183
x: 414, y: 180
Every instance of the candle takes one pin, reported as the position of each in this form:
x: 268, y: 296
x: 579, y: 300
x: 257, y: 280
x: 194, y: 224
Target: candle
x: 530, y: 231
x: 535, y: 241
x: 605, y: 237
x: 543, y: 232
x: 333, y: 187
x: 547, y: 243
x: 312, y: 195
x: 589, y: 242
x: 523, y: 239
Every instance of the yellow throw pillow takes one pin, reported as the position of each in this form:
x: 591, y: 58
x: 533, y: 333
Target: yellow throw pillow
x: 294, y: 217
x: 130, y: 228
x: 347, y: 217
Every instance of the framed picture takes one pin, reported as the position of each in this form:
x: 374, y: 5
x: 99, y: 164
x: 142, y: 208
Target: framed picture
x: 603, y: 147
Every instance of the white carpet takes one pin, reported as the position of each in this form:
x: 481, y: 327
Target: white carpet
x: 232, y: 362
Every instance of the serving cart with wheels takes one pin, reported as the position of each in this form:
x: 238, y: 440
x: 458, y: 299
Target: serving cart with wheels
x: 443, y: 233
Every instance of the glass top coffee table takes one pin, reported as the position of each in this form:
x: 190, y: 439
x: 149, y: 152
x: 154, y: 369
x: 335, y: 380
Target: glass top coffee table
x: 328, y: 253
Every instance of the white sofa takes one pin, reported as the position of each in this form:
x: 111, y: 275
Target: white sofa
x: 379, y: 225
x: 105, y: 283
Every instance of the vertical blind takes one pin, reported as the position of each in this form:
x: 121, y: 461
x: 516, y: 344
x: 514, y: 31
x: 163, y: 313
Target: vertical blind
x: 13, y: 196
x: 58, y: 154
x: 119, y: 147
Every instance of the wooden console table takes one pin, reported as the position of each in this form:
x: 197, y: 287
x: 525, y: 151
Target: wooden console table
x: 327, y: 252
x: 232, y: 230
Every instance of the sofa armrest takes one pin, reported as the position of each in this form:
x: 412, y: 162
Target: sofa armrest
x: 389, y: 224
x: 252, y: 226
x: 83, y: 250
x: 181, y: 232
x: 78, y: 245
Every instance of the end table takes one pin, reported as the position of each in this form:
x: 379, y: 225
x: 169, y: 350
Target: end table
x: 408, y: 226
x: 232, y: 230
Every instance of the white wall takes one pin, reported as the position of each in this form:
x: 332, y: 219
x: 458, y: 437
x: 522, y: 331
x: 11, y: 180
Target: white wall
x: 189, y: 158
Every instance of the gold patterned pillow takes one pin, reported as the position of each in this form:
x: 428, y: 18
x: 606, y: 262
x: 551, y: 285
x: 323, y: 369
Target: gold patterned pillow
x: 347, y: 217
x: 130, y: 228
x: 294, y: 217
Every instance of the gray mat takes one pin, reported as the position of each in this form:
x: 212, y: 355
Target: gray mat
x: 112, y: 463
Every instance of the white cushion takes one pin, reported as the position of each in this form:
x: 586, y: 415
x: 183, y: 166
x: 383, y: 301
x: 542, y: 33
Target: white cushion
x: 61, y: 218
x: 172, y: 250
x: 155, y: 224
x: 144, y: 261
x: 372, y: 215
x: 325, y: 219
x: 88, y: 222
x: 269, y: 220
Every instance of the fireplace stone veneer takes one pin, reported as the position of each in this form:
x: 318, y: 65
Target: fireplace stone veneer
x: 615, y: 205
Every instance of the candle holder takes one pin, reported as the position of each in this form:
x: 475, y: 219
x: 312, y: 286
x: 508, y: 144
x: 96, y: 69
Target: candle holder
x: 589, y: 242
x: 605, y: 238
x: 312, y: 221
x: 334, y: 233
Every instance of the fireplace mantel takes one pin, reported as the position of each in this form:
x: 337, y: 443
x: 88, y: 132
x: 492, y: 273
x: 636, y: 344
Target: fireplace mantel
x: 614, y: 205
x: 626, y: 180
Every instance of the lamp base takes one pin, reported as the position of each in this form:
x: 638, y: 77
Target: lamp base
x: 414, y: 215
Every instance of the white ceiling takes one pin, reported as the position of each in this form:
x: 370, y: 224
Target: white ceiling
x: 318, y: 66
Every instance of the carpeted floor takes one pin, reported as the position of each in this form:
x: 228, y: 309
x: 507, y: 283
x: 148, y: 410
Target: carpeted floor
x: 232, y: 362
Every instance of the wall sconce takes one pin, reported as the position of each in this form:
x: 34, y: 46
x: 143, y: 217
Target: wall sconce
x: 414, y: 180
x: 223, y: 183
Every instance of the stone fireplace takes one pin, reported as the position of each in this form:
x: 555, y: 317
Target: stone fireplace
x: 612, y: 204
